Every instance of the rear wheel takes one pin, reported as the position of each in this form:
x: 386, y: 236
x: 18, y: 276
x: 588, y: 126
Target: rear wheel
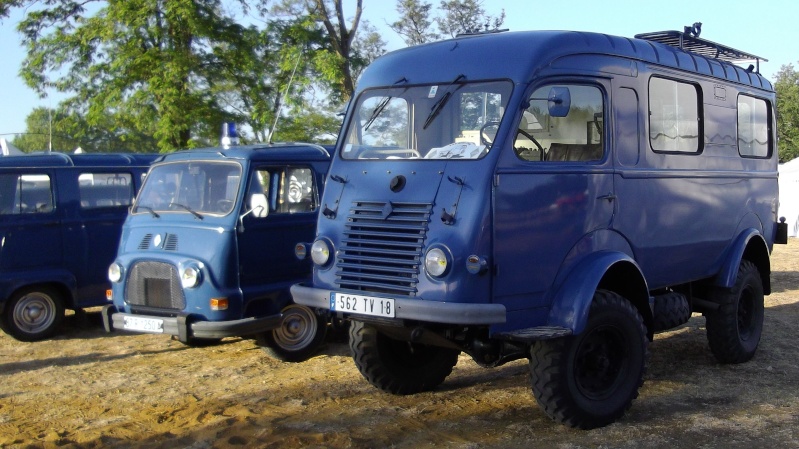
x: 300, y: 335
x: 396, y: 366
x: 590, y: 380
x: 33, y: 314
x: 733, y: 331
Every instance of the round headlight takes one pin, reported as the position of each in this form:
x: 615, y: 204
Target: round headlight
x: 435, y: 262
x: 190, y: 277
x: 320, y: 252
x: 115, y: 272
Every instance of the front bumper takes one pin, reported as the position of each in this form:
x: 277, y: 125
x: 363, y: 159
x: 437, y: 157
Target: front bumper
x: 414, y: 309
x: 184, y: 328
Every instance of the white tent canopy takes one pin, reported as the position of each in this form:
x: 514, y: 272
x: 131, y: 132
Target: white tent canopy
x: 8, y: 149
x: 789, y: 195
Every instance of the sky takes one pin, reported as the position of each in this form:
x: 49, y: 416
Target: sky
x: 766, y: 28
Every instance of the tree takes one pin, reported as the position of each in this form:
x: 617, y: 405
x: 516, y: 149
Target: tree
x: 787, y: 87
x: 455, y: 17
x: 414, y: 24
x: 346, y: 54
x: 148, y: 64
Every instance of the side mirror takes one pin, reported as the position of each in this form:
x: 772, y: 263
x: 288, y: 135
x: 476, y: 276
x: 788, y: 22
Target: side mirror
x: 258, y: 205
x: 559, y: 101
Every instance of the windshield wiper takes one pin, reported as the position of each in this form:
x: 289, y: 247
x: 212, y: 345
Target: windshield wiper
x: 439, y: 105
x: 188, y: 209
x: 149, y: 209
x: 376, y: 112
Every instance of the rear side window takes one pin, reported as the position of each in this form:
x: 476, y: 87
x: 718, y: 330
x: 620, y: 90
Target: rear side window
x: 25, y: 194
x: 105, y: 190
x: 674, y: 116
x: 753, y: 125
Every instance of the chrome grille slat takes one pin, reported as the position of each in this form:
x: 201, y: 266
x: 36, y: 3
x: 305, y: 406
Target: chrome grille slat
x: 381, y: 248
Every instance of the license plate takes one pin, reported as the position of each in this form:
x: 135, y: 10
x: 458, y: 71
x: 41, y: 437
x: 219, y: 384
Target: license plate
x: 135, y: 323
x: 364, y: 305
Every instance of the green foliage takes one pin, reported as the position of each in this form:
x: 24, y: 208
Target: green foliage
x: 415, y: 23
x: 787, y: 87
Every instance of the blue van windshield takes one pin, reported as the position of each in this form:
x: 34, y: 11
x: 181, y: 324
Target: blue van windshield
x: 446, y: 121
x: 196, y: 187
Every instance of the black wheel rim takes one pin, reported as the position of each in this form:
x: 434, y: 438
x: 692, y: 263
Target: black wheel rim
x: 600, y: 362
x: 746, y: 313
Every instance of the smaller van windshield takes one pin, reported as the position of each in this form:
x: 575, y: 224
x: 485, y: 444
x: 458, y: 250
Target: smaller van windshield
x: 193, y: 187
x: 451, y: 120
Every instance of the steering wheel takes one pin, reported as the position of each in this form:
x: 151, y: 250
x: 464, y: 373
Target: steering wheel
x: 532, y: 139
x: 485, y: 139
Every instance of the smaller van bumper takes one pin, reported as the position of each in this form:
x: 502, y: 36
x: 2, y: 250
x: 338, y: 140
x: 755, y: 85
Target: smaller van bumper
x: 413, y: 309
x: 184, y: 328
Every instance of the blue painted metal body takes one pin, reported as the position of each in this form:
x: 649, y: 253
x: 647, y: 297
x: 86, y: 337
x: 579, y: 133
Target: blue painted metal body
x: 634, y: 220
x: 242, y: 258
x: 57, y: 237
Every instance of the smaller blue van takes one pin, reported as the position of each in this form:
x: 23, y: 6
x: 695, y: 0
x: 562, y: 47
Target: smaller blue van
x: 208, y: 249
x: 60, y: 219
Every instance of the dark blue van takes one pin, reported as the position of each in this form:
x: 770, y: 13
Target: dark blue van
x: 60, y: 220
x: 551, y: 195
x: 208, y: 249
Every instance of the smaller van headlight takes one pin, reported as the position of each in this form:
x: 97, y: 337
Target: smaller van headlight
x: 320, y: 252
x: 190, y: 277
x: 115, y: 272
x: 436, y: 262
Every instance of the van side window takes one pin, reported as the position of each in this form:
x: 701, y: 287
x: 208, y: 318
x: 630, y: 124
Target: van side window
x: 674, y: 119
x: 105, y: 190
x: 25, y: 194
x: 754, y: 121
x: 544, y: 134
x: 288, y: 190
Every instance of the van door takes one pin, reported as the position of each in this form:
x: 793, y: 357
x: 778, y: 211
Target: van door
x: 553, y: 188
x: 30, y: 223
x: 103, y: 201
x: 282, y: 202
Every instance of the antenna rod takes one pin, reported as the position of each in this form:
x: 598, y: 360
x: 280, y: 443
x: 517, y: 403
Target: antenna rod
x: 277, y: 115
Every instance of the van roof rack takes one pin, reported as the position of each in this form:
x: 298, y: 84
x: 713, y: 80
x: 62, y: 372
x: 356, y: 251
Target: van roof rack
x: 689, y: 40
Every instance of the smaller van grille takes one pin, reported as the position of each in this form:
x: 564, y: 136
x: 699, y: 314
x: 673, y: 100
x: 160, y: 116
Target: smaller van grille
x: 171, y: 243
x: 154, y: 284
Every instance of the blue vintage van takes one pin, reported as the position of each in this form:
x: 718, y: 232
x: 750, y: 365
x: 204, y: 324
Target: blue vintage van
x: 60, y: 220
x: 552, y: 195
x: 208, y: 249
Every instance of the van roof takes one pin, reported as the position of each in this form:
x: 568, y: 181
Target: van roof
x: 55, y: 159
x: 264, y: 152
x: 523, y: 55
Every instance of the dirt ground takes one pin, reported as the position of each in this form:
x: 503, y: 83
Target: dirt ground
x: 89, y: 389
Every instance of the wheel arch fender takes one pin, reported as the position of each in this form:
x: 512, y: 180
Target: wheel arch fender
x: 609, y: 270
x: 60, y: 280
x: 749, y: 245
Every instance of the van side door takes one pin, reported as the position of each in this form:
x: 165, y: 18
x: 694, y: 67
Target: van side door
x: 30, y: 223
x: 553, y: 188
x: 281, y: 209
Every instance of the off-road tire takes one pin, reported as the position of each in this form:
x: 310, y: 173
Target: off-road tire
x: 33, y: 314
x: 589, y: 380
x: 300, y: 335
x: 399, y: 367
x: 671, y: 310
x: 734, y: 330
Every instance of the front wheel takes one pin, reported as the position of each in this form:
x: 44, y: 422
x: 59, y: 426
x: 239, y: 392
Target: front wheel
x: 733, y: 331
x: 590, y: 380
x: 396, y: 366
x: 300, y: 334
x: 33, y: 314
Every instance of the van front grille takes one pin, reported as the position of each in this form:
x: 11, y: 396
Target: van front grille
x: 381, y: 250
x: 154, y: 284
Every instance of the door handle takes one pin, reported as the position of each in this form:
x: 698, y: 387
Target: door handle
x: 608, y: 196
